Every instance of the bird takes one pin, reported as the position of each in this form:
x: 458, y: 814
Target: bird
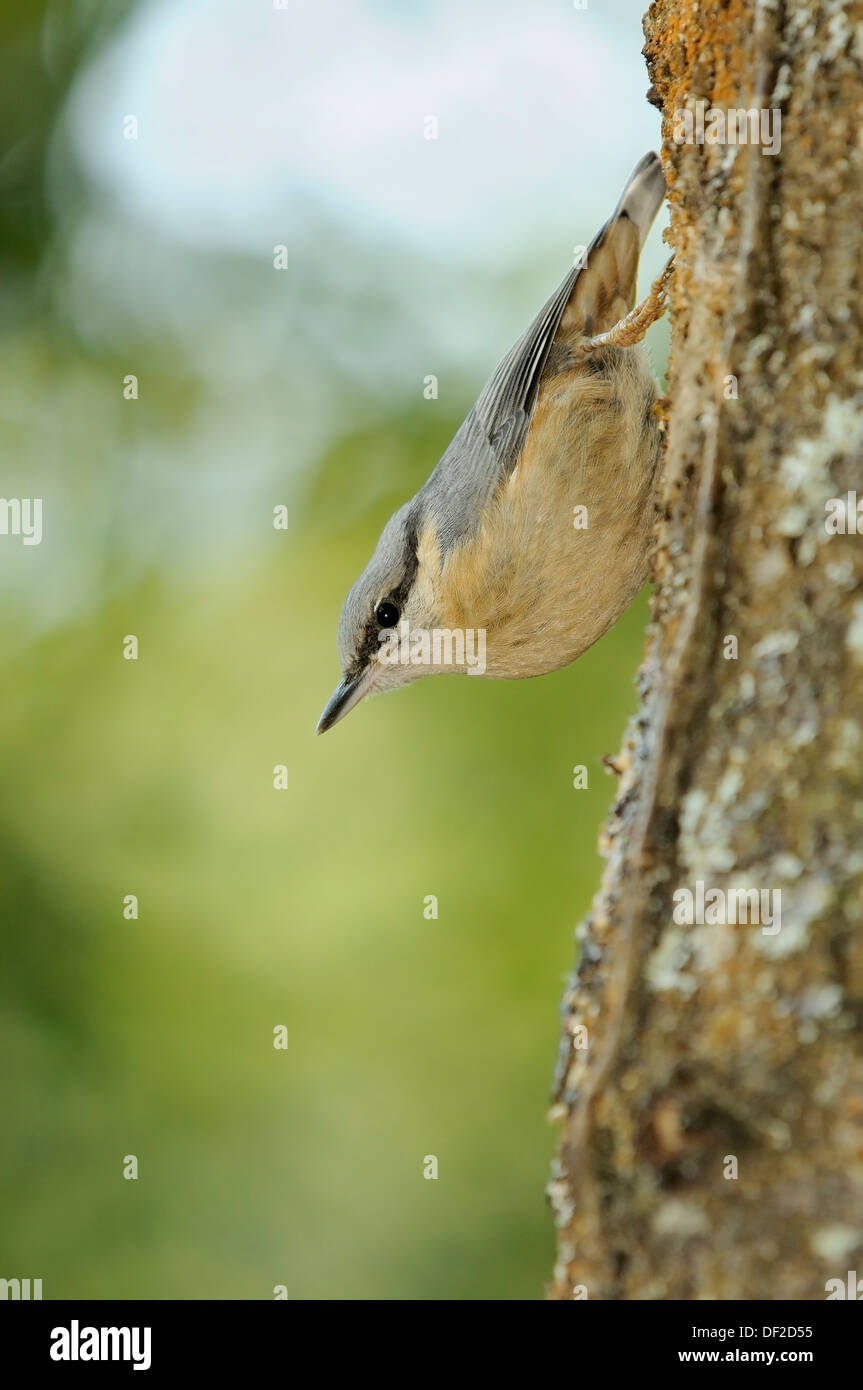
x: 533, y: 532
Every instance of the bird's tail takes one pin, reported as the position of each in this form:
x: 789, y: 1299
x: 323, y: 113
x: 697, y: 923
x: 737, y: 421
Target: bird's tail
x: 604, y: 292
x: 642, y: 197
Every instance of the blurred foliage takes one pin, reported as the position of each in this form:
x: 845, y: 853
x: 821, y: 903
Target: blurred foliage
x: 258, y: 908
x: 42, y: 44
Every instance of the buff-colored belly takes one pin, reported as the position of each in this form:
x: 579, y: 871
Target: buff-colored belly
x: 563, y: 545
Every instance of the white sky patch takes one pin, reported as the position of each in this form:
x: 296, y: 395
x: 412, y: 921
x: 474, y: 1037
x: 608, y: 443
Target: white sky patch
x: 245, y: 109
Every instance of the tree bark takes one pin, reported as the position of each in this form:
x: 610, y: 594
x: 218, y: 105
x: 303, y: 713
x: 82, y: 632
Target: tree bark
x: 711, y: 1075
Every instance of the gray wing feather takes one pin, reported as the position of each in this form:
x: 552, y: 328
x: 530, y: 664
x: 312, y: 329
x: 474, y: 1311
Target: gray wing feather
x: 506, y: 404
x: 513, y: 387
x: 492, y: 437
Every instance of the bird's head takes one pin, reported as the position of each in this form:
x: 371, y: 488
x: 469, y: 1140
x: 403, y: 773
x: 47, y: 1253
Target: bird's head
x: 395, y: 593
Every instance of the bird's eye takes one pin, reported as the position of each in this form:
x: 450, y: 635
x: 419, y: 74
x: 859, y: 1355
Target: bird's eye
x: 386, y: 614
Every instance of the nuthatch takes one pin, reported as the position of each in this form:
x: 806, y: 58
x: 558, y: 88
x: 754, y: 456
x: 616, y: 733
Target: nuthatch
x: 534, y: 529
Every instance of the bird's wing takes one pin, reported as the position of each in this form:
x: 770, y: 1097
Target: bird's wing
x: 506, y: 404
x: 492, y: 437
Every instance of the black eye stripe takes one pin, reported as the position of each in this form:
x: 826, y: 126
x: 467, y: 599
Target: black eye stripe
x: 372, y: 635
x: 370, y: 641
x: 411, y: 561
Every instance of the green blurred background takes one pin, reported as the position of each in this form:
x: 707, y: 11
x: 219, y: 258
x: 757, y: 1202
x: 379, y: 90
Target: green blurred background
x: 154, y: 777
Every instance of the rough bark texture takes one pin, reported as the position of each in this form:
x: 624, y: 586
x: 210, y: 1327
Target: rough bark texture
x: 707, y: 1041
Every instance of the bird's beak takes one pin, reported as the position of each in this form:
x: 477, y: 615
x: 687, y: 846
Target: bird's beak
x: 348, y: 693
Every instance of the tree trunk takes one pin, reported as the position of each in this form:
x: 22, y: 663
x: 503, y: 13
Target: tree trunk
x: 711, y: 1073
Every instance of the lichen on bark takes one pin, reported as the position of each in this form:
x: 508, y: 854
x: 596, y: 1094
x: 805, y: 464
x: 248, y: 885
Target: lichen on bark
x: 744, y: 765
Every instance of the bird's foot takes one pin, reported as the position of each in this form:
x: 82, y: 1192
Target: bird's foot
x: 630, y: 330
